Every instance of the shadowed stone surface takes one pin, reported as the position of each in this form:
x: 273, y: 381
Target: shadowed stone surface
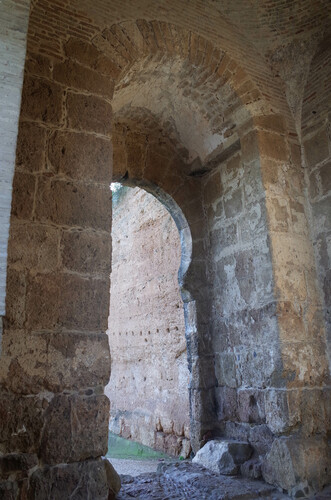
x: 193, y: 482
x: 95, y: 479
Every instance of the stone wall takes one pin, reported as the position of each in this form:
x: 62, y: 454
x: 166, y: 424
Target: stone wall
x: 268, y: 333
x: 316, y: 131
x: 52, y: 405
x: 148, y: 388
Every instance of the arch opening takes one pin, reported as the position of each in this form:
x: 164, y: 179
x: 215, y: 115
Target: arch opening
x: 149, y: 382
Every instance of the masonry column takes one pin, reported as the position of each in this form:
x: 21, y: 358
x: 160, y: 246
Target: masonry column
x: 55, y: 360
x: 298, y: 407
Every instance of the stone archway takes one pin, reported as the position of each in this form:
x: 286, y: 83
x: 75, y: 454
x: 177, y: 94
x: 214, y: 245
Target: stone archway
x: 242, y: 193
x: 149, y: 383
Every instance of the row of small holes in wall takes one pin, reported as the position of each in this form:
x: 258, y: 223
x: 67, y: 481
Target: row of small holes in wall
x: 141, y: 333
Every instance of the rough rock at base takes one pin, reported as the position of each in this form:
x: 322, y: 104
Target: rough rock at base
x: 95, y: 479
x: 223, y: 457
x: 292, y: 458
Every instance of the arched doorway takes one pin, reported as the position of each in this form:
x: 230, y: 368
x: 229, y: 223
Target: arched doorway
x: 148, y: 387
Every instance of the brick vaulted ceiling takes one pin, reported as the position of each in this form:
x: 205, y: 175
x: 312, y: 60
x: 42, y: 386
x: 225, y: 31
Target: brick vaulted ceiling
x: 266, y: 37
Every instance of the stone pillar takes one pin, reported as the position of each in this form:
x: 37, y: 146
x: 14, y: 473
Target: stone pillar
x: 298, y: 406
x: 55, y: 359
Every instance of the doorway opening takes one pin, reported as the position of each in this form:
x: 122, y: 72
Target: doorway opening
x: 149, y: 382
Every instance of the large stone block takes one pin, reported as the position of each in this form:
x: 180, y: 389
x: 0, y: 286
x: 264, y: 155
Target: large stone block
x: 81, y: 480
x: 251, y: 406
x: 259, y: 367
x: 88, y: 55
x: 305, y: 363
x: 23, y: 195
x: 21, y: 423
x: 33, y: 246
x: 275, y: 123
x: 224, y: 237
x: 75, y: 428
x: 295, y: 463
x: 43, y: 301
x: 38, y: 64
x: 227, y: 405
x: 74, y: 204
x: 249, y: 147
x: 291, y: 322
x: 81, y: 156
x: 31, y: 146
x: 84, y: 303
x: 233, y: 203
x: 32, y: 363
x: 16, y: 297
x: 89, y: 113
x: 225, y: 369
x: 42, y: 100
x: 272, y: 146
x: 75, y: 76
x: 223, y: 457
x: 86, y: 252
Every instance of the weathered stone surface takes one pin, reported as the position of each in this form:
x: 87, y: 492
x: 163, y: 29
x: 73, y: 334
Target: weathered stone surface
x: 316, y: 148
x: 67, y: 300
x: 23, y: 195
x: 223, y: 457
x: 33, y: 246
x: 38, y: 64
x: 272, y: 145
x: 43, y: 301
x: 90, y: 56
x: 73, y: 204
x: 34, y: 362
x: 75, y: 428
x: 42, y: 100
x: 21, y: 423
x: 113, y: 479
x: 89, y: 113
x: 16, y: 298
x: 17, y: 464
x: 9, y: 490
x: 251, y: 469
x: 31, y: 147
x: 86, y: 252
x: 78, y: 155
x: 78, y: 77
x: 79, y: 480
x: 293, y: 458
x: 84, y: 303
